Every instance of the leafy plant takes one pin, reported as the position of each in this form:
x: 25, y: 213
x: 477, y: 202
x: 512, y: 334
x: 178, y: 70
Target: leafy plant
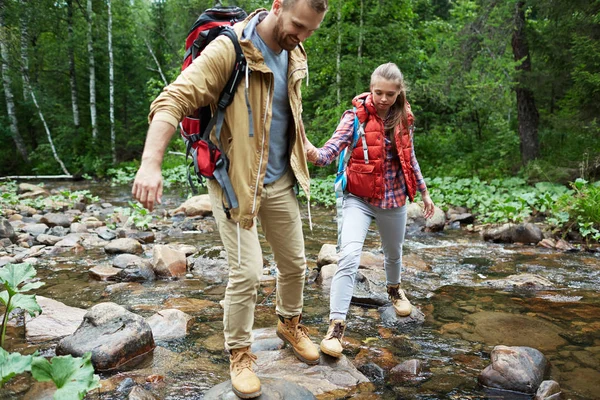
x: 73, y: 376
x: 135, y: 215
x: 12, y: 276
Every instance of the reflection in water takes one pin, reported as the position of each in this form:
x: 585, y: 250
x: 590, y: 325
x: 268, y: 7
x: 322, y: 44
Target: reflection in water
x: 466, y: 312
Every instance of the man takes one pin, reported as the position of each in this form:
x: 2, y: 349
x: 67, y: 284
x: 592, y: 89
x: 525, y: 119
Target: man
x: 265, y: 163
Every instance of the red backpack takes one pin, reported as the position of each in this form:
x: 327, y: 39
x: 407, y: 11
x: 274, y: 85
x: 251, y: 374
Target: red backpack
x: 208, y: 160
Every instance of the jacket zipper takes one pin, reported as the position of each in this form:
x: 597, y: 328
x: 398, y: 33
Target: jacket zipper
x: 262, y: 150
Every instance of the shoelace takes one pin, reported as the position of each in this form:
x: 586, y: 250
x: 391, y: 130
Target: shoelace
x: 337, y: 331
x: 243, y: 360
x: 396, y: 294
x: 301, y: 331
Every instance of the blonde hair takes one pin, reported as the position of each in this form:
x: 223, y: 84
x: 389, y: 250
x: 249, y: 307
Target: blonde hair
x: 398, y: 112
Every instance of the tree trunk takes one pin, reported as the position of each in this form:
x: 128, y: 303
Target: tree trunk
x: 92, y: 64
x: 8, y: 94
x: 527, y: 112
x: 338, y: 61
x: 162, y: 76
x: 41, y: 115
x: 72, y: 76
x: 24, y: 44
x: 111, y: 86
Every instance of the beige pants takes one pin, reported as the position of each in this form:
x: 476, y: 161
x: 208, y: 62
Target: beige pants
x: 279, y: 217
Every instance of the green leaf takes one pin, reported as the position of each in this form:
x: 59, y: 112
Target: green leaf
x: 26, y: 302
x: 30, y: 286
x: 4, y: 297
x: 12, y: 364
x: 12, y: 275
x: 73, y: 376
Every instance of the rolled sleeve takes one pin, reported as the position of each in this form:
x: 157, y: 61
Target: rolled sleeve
x: 421, y: 186
x: 341, y: 138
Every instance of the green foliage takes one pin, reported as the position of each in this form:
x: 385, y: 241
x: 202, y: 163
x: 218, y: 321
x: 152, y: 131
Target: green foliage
x: 135, y: 215
x: 321, y: 191
x: 12, y: 276
x: 580, y: 210
x: 64, y: 199
x: 12, y: 364
x: 73, y: 377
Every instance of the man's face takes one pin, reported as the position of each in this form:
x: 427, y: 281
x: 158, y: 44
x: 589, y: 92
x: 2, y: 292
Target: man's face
x: 295, y: 24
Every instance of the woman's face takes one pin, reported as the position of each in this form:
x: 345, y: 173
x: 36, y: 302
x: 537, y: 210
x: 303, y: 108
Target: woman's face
x: 384, y: 94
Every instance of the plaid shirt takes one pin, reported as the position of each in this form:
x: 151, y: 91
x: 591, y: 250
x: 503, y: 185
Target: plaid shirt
x: 395, y: 193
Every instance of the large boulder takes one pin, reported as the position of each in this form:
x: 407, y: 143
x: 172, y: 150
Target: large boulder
x: 520, y: 369
x: 113, y: 335
x: 56, y: 321
x: 327, y: 255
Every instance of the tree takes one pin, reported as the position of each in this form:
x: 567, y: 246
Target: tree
x: 92, y: 66
x: 526, y: 109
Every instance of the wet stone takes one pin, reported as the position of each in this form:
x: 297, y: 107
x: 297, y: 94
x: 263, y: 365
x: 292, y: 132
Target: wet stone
x: 272, y: 389
x: 390, y: 319
x: 124, y: 245
x: 548, y: 390
x: 372, y: 371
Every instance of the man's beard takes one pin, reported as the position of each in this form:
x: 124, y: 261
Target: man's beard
x: 284, y: 41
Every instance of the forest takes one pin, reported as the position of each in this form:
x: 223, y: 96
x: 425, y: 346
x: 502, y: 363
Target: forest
x: 501, y: 90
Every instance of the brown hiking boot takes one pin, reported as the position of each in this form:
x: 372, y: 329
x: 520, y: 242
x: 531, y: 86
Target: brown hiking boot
x: 292, y: 332
x: 399, y: 300
x: 332, y: 343
x: 244, y: 381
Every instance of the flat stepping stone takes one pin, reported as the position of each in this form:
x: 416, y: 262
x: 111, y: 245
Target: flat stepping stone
x: 272, y: 389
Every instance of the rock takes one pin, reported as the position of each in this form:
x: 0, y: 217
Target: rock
x: 134, y: 269
x: 59, y: 231
x: 139, y: 393
x: 527, y: 233
x: 370, y: 288
x: 272, y: 389
x: 462, y: 218
x: 105, y: 233
x: 265, y: 339
x: 6, y: 230
x: 520, y: 369
x: 28, y: 190
x: 326, y: 275
x: 190, y: 305
x: 405, y: 371
x: 35, y: 229
x: 92, y: 223
x: 212, y: 270
x: 169, y: 324
x: 548, y: 390
x: 390, y: 319
x: 56, y: 219
x: 142, y: 237
x: 71, y: 240
x: 527, y: 281
x: 124, y: 245
x: 197, y: 205
x: 501, y: 234
x: 7, y: 260
x: 372, y: 371
x: 327, y: 255
x: 370, y: 260
x: 57, y: 320
x: 123, y: 260
x: 186, y: 249
x: 168, y: 262
x: 49, y: 240
x: 104, y: 272
x: 113, y: 335
x: 331, y: 375
x: 437, y: 221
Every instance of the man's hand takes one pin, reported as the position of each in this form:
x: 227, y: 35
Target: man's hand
x: 148, y: 186
x: 428, y: 206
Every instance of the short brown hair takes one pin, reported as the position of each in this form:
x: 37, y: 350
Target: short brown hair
x: 319, y: 6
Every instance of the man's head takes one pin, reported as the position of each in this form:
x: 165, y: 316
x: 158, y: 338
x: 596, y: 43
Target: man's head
x: 296, y: 20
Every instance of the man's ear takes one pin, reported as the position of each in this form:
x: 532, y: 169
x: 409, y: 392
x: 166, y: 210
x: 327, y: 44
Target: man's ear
x: 277, y: 6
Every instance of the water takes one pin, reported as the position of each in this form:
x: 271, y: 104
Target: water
x: 466, y: 315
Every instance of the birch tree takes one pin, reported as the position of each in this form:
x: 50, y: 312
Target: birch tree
x: 338, y: 60
x: 7, y: 83
x: 24, y: 44
x: 92, y: 65
x: 111, y: 86
x: 72, y: 75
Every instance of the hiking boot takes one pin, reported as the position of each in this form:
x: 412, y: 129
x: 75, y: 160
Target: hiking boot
x: 399, y: 300
x: 244, y: 382
x: 332, y: 343
x: 295, y: 334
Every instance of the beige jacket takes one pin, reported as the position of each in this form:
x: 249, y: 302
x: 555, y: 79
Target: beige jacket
x: 201, y: 83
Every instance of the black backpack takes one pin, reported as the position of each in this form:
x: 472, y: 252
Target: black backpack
x: 208, y: 160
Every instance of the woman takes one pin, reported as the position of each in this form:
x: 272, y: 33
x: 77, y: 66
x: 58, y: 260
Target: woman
x: 381, y: 173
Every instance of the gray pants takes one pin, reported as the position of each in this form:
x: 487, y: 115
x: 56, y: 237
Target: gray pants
x: 358, y: 215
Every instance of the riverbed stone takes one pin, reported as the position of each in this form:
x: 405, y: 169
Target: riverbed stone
x: 113, y: 335
x: 437, y: 221
x: 405, y: 371
x: 327, y: 255
x: 59, y: 231
x: 390, y: 319
x: 169, y: 324
x: 56, y: 321
x: 103, y: 272
x: 35, y: 229
x: 527, y: 281
x: 49, y: 240
x: 29, y: 190
x: 105, y: 233
x: 168, y: 262
x: 272, y: 389
x: 194, y: 206
x: 6, y: 230
x: 71, y: 240
x: 57, y: 219
x: 331, y: 375
x: 370, y: 288
x: 136, y: 272
x: 122, y: 261
x: 520, y: 369
x: 548, y: 390
x: 124, y: 245
x: 494, y: 328
x: 326, y: 275
x: 189, y: 305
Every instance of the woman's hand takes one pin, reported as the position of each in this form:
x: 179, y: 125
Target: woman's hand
x: 428, y: 206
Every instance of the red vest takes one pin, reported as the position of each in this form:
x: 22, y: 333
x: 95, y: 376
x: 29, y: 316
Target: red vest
x: 367, y: 180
